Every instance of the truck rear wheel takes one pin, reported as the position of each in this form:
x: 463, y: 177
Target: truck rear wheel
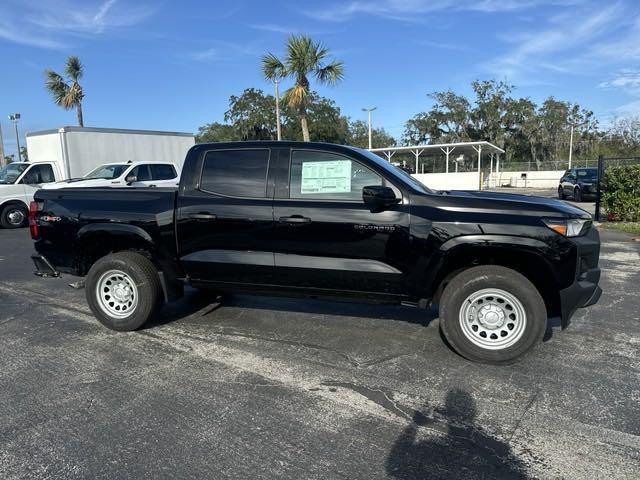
x: 492, y: 314
x: 13, y: 216
x: 123, y: 290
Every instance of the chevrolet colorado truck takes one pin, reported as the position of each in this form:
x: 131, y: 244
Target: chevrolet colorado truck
x: 322, y: 220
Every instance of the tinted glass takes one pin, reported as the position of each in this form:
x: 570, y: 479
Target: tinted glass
x: 11, y: 172
x: 163, y: 172
x: 329, y: 176
x: 394, y: 171
x: 236, y: 173
x: 107, y: 171
x: 587, y: 173
x: 141, y: 172
x: 39, y: 174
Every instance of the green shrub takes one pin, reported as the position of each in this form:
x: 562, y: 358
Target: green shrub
x: 621, y: 193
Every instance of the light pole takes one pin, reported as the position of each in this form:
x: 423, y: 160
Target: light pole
x: 369, y: 110
x: 14, y: 117
x: 570, y: 146
x: 278, y: 128
x: 1, y: 148
x: 571, y: 139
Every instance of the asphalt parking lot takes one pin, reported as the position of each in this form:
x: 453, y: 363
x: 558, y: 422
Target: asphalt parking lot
x: 260, y: 387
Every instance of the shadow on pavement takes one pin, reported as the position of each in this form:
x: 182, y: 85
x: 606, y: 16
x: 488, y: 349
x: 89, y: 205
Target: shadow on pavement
x: 455, y: 448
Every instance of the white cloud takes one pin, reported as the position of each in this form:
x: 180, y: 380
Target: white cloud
x: 205, y: 55
x: 11, y: 34
x: 627, y: 80
x: 406, y: 10
x: 224, y: 51
x: 563, y: 45
x: 52, y: 25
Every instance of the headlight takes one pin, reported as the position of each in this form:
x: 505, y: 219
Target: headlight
x: 573, y: 227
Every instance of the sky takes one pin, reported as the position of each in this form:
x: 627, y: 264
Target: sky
x: 169, y: 65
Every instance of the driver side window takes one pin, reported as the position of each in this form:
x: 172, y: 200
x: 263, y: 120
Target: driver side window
x: 328, y: 176
x: 39, y: 174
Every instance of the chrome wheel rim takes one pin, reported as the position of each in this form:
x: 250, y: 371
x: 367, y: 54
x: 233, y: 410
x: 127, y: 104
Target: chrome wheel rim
x: 15, y: 217
x: 493, y: 319
x: 117, y: 294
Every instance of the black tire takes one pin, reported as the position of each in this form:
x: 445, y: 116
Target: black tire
x: 561, y: 194
x: 475, y: 279
x: 577, y: 195
x: 14, y: 216
x: 138, y: 269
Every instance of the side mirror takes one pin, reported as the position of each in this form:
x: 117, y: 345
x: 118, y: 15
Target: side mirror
x: 378, y: 198
x: 130, y: 179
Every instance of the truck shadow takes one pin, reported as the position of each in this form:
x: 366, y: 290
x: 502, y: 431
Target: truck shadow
x: 198, y: 304
x: 449, y: 444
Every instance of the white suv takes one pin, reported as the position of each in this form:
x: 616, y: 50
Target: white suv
x: 137, y: 174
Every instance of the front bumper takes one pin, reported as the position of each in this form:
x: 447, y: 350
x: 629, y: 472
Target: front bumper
x: 582, y: 293
x: 584, y: 290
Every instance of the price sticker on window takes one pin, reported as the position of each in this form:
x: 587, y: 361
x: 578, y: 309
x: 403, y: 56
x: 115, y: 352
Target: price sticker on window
x: 326, y: 177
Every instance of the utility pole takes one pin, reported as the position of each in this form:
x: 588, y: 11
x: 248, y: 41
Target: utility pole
x: 1, y: 148
x: 14, y: 117
x: 570, y: 146
x: 369, y: 110
x: 278, y: 128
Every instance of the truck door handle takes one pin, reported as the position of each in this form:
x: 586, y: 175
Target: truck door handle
x: 295, y: 219
x: 203, y: 216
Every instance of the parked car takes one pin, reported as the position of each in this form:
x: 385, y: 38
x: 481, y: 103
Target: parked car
x: 18, y: 182
x: 63, y: 153
x: 313, y: 219
x: 578, y: 183
x: 132, y: 174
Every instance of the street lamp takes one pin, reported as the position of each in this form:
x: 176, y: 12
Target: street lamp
x: 278, y: 128
x: 571, y: 139
x: 14, y: 117
x: 369, y: 110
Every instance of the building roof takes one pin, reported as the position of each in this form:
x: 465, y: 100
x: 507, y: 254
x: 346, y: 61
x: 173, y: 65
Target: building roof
x: 459, y: 147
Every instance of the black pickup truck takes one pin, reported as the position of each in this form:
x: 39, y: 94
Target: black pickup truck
x: 313, y: 219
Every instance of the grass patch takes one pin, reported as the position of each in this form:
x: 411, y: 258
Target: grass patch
x: 629, y: 227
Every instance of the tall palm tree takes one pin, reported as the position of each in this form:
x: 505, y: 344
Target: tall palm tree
x: 303, y: 58
x: 66, y: 90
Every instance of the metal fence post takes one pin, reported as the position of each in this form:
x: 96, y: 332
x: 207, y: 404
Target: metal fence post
x: 598, y: 191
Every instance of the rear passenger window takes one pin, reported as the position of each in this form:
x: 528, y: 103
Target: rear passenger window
x: 141, y: 172
x: 236, y: 173
x: 163, y: 172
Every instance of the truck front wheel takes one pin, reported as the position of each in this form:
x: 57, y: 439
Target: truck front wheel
x: 492, y: 314
x: 123, y: 290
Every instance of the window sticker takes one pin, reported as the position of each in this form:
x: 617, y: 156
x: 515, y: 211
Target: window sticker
x: 326, y: 177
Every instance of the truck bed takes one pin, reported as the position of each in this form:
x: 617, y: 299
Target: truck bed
x: 73, y: 220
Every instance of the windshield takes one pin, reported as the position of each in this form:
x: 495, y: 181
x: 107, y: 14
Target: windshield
x: 588, y: 174
x: 395, y: 171
x: 107, y: 171
x: 11, y: 172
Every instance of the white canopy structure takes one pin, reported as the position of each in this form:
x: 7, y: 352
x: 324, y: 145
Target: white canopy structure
x: 447, y: 149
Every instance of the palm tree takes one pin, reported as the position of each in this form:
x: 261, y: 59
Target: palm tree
x: 67, y: 92
x: 304, y: 57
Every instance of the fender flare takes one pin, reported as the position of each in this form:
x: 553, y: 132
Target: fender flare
x: 482, y: 240
x: 119, y: 229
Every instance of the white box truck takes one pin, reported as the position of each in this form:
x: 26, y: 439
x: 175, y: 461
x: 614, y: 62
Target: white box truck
x: 72, y: 152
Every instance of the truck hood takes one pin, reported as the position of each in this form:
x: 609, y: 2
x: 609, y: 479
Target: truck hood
x: 508, y: 203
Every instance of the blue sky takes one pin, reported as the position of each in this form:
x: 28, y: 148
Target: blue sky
x: 173, y: 65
